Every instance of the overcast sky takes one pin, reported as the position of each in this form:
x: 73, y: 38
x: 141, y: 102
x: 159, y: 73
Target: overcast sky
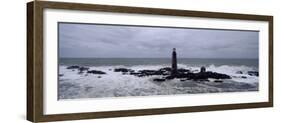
x: 107, y: 41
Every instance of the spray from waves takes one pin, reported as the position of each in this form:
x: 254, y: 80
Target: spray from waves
x: 236, y: 72
x: 227, y: 69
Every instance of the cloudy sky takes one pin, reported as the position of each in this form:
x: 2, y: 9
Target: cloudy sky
x: 107, y: 41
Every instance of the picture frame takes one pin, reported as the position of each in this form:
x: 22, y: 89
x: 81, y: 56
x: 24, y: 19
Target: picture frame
x: 36, y: 64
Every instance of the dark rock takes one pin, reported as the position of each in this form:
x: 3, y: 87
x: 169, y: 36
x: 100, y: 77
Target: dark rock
x: 60, y: 75
x: 140, y: 75
x: 159, y: 80
x: 244, y: 77
x: 82, y: 69
x: 202, y: 69
x: 121, y: 70
x: 182, y: 80
x: 214, y: 75
x: 166, y: 69
x: 181, y: 70
x: 203, y: 76
x: 73, y: 67
x: 166, y: 74
x: 239, y: 72
x: 150, y: 72
x: 135, y: 73
x: 253, y: 73
x: 218, y: 81
x: 203, y: 80
x: 182, y: 75
x: 169, y: 77
x: 163, y: 71
x: 96, y: 72
x: 147, y: 71
x: 194, y: 71
x: 99, y: 76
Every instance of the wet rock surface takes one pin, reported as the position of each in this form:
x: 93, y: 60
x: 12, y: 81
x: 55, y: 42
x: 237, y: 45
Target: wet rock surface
x: 253, y: 73
x: 184, y: 74
x: 82, y: 69
x: 73, y: 67
x: 96, y: 72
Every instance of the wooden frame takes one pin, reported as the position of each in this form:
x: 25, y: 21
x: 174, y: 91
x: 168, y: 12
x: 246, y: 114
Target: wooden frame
x: 35, y: 60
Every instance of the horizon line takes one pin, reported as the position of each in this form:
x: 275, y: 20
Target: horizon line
x: 159, y: 57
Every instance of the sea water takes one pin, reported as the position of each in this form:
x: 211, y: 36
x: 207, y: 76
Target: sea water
x: 72, y: 85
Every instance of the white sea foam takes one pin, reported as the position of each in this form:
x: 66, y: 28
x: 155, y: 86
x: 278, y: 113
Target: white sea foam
x: 114, y: 84
x: 233, y: 72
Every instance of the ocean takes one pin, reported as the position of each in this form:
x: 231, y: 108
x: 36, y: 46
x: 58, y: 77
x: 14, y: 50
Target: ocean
x: 157, y: 61
x: 75, y: 85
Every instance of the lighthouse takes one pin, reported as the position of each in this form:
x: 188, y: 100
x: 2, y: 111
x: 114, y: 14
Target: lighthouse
x: 174, y: 62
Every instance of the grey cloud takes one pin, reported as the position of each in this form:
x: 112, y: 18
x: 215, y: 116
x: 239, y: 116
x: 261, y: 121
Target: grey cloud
x: 90, y: 40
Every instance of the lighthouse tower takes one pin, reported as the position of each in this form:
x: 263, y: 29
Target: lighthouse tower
x: 174, y: 62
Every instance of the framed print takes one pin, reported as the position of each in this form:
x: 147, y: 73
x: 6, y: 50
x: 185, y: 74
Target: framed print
x: 89, y: 61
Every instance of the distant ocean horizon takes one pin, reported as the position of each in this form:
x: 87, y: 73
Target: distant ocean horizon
x: 250, y: 62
